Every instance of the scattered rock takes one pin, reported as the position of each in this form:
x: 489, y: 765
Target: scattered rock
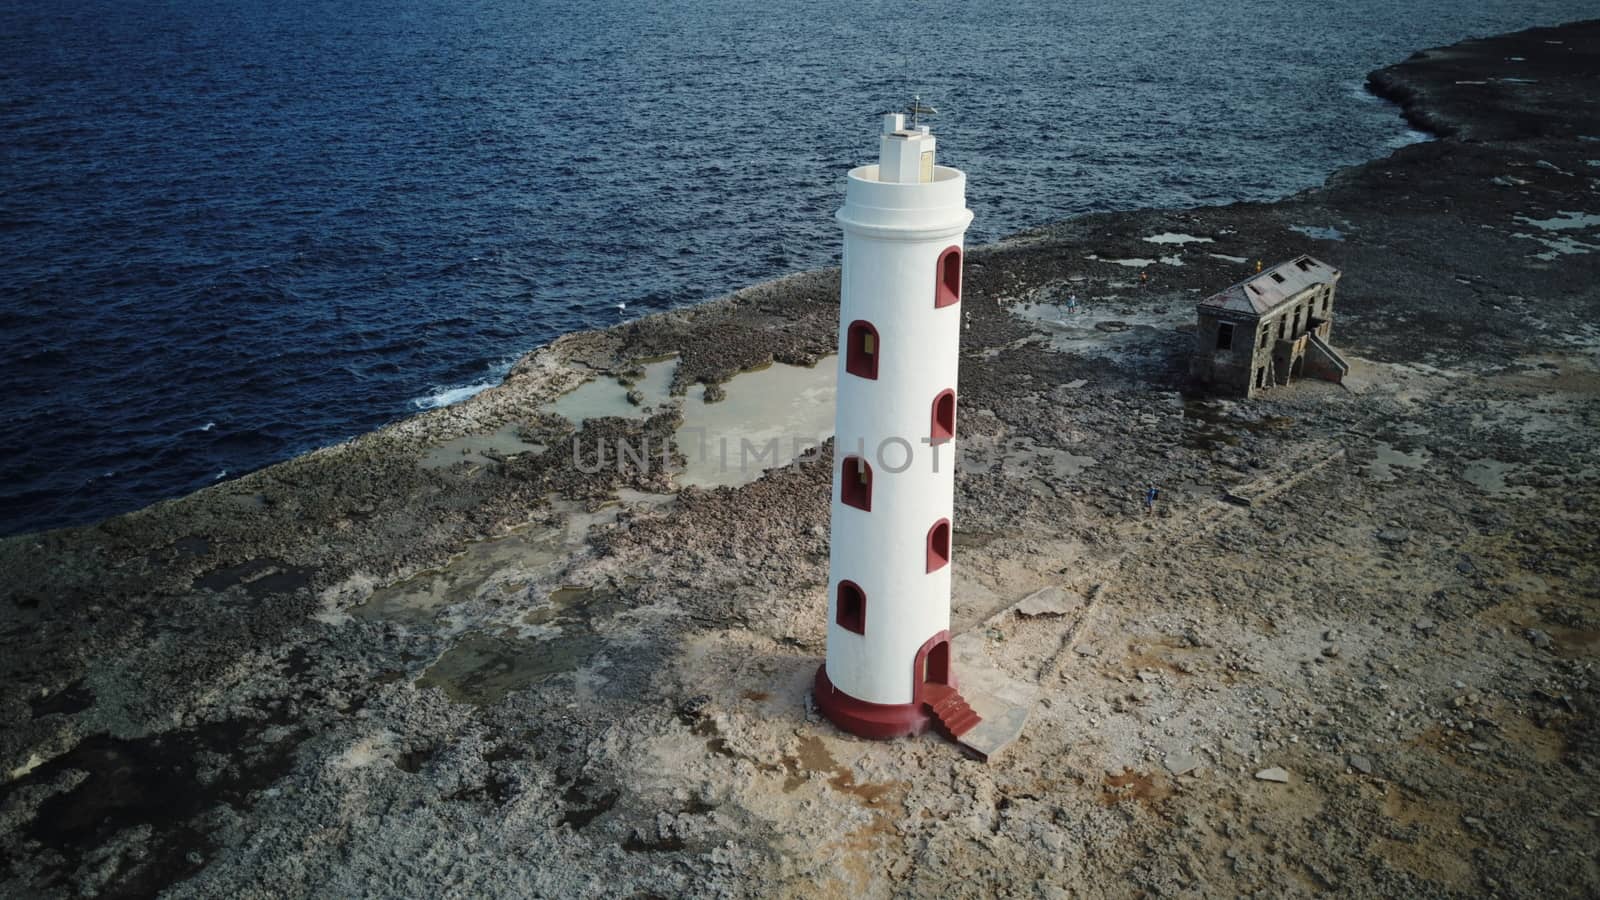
x: 1275, y: 774
x: 1361, y: 764
x: 1394, y: 536
x: 1425, y: 625
x: 1051, y: 601
x: 1540, y: 638
x: 1182, y: 763
x: 689, y: 710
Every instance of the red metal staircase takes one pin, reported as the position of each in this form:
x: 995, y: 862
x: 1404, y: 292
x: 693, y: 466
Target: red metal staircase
x: 950, y: 710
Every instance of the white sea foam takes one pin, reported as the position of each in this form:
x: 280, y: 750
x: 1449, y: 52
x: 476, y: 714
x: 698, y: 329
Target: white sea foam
x: 1358, y: 90
x: 449, y: 396
x: 1409, y: 137
x: 220, y: 475
x: 207, y: 426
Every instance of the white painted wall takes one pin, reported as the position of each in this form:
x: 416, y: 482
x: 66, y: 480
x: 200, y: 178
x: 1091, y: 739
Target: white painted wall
x: 893, y: 236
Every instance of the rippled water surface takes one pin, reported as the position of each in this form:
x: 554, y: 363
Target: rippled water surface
x: 234, y: 231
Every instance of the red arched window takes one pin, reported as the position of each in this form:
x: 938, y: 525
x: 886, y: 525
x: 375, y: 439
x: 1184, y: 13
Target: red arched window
x: 861, y: 349
x: 939, y: 545
x: 943, y: 427
x: 850, y: 607
x: 855, y: 483
x: 948, y: 290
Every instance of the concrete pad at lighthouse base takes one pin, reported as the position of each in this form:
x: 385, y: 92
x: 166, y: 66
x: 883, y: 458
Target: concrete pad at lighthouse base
x: 1004, y: 702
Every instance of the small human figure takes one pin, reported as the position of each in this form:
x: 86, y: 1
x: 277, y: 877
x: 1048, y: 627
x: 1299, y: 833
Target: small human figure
x: 1072, y: 302
x: 1258, y: 267
x: 1151, y: 494
x: 1144, y: 279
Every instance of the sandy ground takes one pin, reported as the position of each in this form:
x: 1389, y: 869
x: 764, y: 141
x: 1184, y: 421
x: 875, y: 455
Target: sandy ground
x: 447, y: 658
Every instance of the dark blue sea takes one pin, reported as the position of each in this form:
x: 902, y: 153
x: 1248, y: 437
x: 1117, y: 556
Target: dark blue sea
x: 235, y: 231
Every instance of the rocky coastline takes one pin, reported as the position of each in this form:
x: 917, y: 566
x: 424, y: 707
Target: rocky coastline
x: 452, y: 657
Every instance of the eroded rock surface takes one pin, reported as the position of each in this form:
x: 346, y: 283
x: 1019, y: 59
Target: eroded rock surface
x: 375, y: 670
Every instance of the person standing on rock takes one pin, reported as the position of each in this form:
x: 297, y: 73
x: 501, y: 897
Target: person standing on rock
x: 1151, y: 494
x: 1072, y: 302
x: 1144, y: 279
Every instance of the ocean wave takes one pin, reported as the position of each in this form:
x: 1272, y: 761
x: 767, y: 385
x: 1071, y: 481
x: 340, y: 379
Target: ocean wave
x: 1358, y: 90
x: 449, y: 396
x: 1411, y: 136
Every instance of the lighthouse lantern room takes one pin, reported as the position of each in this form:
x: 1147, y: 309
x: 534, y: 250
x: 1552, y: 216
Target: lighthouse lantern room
x: 888, y: 670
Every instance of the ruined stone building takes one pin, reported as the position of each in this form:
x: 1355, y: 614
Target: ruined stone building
x: 1269, y: 329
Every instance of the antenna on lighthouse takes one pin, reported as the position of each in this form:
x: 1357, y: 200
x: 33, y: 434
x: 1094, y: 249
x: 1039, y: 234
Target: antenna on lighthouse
x: 916, y: 109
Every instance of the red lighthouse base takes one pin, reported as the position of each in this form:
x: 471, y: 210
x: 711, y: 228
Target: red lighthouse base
x: 878, y: 721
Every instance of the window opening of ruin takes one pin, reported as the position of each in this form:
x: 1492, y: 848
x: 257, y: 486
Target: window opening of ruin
x: 1225, y: 336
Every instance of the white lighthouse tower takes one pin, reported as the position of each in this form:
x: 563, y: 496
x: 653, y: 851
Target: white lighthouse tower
x: 888, y: 671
